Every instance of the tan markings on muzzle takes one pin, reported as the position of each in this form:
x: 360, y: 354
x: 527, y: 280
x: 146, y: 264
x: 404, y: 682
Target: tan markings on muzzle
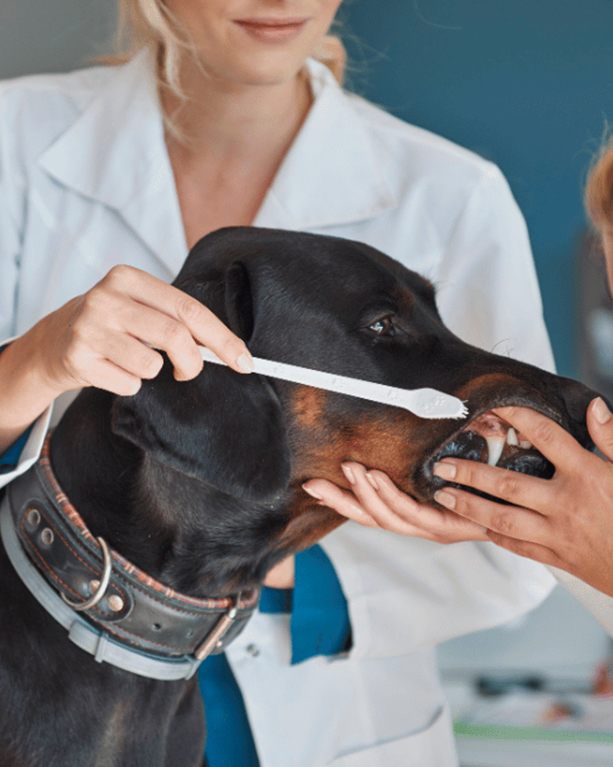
x: 324, y: 437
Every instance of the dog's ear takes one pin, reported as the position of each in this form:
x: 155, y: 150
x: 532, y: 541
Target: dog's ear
x: 227, y: 294
x: 224, y: 428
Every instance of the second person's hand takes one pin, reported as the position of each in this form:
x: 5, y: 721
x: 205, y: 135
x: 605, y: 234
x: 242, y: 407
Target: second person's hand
x: 375, y: 501
x: 565, y: 521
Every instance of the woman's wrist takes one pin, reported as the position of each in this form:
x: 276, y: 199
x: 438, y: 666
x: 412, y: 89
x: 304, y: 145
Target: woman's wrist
x: 24, y: 391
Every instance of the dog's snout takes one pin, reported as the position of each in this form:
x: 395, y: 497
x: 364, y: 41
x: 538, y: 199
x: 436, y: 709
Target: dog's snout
x: 576, y: 397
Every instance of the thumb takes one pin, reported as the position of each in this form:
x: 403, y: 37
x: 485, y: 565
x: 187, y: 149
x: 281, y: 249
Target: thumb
x: 600, y: 426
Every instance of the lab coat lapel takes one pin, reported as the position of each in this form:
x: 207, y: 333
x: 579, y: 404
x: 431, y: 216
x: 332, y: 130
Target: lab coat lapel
x: 331, y: 175
x: 115, y: 153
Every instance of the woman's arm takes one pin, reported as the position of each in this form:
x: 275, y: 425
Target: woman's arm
x: 104, y: 338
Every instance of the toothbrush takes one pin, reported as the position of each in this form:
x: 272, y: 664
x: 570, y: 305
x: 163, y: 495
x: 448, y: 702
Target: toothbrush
x: 425, y: 402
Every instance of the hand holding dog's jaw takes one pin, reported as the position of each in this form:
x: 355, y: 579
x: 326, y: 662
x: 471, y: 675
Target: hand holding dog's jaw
x: 376, y: 502
x: 566, y: 521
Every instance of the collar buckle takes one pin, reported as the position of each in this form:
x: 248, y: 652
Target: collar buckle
x: 214, y: 640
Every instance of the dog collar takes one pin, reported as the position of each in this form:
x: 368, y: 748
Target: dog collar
x: 111, y: 608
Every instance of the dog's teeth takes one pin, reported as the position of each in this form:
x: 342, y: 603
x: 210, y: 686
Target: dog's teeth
x: 512, y: 437
x: 495, y: 446
x: 524, y: 444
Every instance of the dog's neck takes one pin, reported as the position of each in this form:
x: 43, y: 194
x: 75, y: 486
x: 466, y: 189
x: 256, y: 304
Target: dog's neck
x: 174, y: 527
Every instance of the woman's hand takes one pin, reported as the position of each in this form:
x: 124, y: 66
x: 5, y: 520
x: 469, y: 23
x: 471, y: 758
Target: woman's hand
x: 376, y: 502
x: 104, y: 338
x: 566, y: 521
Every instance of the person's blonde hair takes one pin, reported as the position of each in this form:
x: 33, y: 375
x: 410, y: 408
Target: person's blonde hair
x: 150, y: 23
x: 599, y: 189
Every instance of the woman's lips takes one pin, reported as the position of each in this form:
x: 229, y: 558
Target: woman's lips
x: 272, y: 30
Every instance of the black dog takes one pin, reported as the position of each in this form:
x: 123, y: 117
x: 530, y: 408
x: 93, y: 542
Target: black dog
x: 198, y: 484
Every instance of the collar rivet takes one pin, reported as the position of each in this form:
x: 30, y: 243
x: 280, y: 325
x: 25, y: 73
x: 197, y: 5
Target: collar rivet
x: 33, y: 517
x: 115, y: 603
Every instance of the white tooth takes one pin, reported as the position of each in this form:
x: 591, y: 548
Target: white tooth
x: 495, y: 447
x: 512, y: 437
x: 524, y: 444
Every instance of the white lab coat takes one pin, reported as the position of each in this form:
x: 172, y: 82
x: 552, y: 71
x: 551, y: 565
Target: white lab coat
x: 85, y: 183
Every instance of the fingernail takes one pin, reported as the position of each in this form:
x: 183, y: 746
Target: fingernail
x: 601, y: 411
x: 445, y: 470
x: 373, y: 481
x: 312, y: 493
x: 348, y: 473
x: 445, y: 499
x: 245, y: 362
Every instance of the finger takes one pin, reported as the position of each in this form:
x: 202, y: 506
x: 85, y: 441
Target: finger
x: 132, y: 356
x: 348, y: 506
x: 90, y: 344
x: 600, y: 426
x: 329, y: 494
x: 548, y: 437
x: 443, y: 526
x: 110, y: 377
x: 208, y: 330
x: 140, y: 331
x: 159, y: 331
x: 520, y: 489
x: 508, y: 521
x: 398, y: 512
x: 204, y: 326
x: 366, y: 493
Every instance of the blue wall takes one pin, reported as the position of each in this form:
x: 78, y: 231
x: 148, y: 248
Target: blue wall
x: 527, y: 83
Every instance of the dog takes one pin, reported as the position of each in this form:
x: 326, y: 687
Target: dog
x: 196, y: 486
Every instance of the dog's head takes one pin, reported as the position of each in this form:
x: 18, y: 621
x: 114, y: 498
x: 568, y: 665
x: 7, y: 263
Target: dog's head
x: 341, y: 307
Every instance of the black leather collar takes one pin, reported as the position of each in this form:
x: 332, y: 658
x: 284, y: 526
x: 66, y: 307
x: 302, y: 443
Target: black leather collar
x: 136, y: 610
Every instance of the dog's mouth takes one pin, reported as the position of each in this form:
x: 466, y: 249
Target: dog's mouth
x: 490, y: 439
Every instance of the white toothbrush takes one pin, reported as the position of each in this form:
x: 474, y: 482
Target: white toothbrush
x: 425, y: 403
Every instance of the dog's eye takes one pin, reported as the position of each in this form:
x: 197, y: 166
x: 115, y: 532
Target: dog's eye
x: 382, y: 327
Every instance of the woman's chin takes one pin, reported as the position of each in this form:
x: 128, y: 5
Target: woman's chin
x: 261, y: 71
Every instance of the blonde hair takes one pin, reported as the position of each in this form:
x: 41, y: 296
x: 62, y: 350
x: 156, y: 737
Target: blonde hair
x: 149, y: 23
x: 599, y: 189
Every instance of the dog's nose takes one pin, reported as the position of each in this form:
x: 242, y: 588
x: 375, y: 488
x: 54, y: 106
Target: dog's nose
x: 576, y: 398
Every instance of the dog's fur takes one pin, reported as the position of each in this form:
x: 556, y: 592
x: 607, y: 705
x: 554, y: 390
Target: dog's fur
x: 199, y: 483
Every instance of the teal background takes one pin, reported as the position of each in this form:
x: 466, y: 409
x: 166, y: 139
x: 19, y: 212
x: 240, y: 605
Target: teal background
x: 526, y: 83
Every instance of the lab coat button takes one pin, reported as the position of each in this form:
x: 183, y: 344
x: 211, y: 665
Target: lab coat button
x: 253, y: 650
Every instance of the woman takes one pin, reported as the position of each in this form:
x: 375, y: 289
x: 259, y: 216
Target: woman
x: 224, y: 115
x: 565, y: 522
